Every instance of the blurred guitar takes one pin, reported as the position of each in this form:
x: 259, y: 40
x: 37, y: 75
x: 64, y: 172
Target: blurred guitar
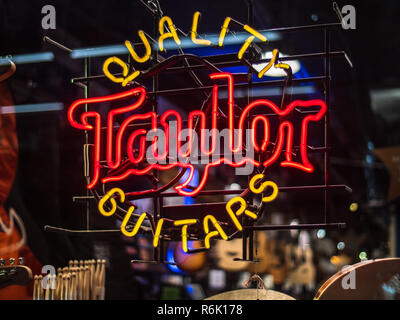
x: 271, y: 258
x: 368, y: 280
x: 226, y: 252
x: 15, y: 275
x: 12, y: 241
x: 302, y: 272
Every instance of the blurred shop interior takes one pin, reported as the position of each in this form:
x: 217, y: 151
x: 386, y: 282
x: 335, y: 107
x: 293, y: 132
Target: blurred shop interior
x: 42, y: 162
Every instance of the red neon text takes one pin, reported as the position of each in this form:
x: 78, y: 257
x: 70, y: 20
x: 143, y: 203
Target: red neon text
x: 114, y: 138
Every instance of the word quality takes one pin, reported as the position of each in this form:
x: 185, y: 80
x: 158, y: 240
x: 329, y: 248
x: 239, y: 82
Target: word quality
x: 108, y: 199
x: 159, y: 155
x: 168, y: 30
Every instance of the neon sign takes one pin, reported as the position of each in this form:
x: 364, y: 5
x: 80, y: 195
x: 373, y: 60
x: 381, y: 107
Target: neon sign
x: 124, y: 146
x: 114, y: 146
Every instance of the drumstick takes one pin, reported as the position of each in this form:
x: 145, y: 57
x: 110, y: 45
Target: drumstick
x: 102, y: 279
x: 73, y: 286
x: 68, y: 287
x: 92, y: 270
x: 53, y: 286
x: 58, y: 286
x: 34, y: 295
x: 97, y: 278
x: 87, y: 282
x: 47, y: 289
x: 40, y: 287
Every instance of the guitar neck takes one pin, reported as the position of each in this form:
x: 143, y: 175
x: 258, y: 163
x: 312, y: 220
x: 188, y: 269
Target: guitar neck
x: 14, y: 274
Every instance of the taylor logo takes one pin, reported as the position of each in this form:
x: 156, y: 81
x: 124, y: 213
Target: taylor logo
x: 163, y: 146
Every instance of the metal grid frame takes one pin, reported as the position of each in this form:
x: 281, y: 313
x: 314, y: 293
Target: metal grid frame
x: 230, y: 60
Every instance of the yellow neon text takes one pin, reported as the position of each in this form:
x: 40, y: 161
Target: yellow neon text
x: 164, y: 35
x: 193, y: 32
x: 186, y: 221
x: 224, y: 29
x: 137, y: 225
x: 146, y: 45
x: 245, y: 46
x: 254, y: 33
x: 123, y: 80
x: 107, y: 197
x: 212, y: 234
x: 272, y: 62
x: 282, y: 66
x: 185, y: 224
x: 216, y: 225
x: 242, y: 209
x: 168, y: 30
x: 262, y: 187
x: 250, y: 39
x: 157, y: 233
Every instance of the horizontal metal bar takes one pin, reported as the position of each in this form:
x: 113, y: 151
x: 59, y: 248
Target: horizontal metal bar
x: 48, y: 228
x: 339, y: 225
x: 252, y: 261
x: 152, y: 262
x: 56, y: 44
x: 306, y: 27
x: 185, y: 121
x: 171, y: 92
x: 240, y: 63
x: 317, y: 149
x: 239, y: 191
x: 225, y: 63
x: 197, y: 250
x: 82, y: 198
x: 28, y: 58
x: 281, y: 189
x: 240, y: 36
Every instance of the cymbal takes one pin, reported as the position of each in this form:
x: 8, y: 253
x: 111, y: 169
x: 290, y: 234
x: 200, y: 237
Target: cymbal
x: 368, y: 280
x: 251, y: 294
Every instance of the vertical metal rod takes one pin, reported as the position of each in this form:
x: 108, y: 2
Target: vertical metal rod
x: 250, y: 21
x: 244, y: 221
x: 244, y: 245
x: 156, y: 204
x: 86, y: 154
x: 250, y: 12
x: 327, y: 71
x: 162, y: 242
x: 251, y: 245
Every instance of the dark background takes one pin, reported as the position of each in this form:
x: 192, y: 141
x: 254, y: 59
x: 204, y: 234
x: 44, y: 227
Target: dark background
x: 50, y: 152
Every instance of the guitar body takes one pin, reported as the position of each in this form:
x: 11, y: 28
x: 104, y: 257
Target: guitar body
x: 12, y: 242
x: 226, y: 252
x: 271, y: 260
x: 302, y: 272
x: 189, y: 262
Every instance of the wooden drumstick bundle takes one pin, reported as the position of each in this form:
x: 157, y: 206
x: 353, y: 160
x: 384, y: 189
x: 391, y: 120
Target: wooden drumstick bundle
x: 81, y: 280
